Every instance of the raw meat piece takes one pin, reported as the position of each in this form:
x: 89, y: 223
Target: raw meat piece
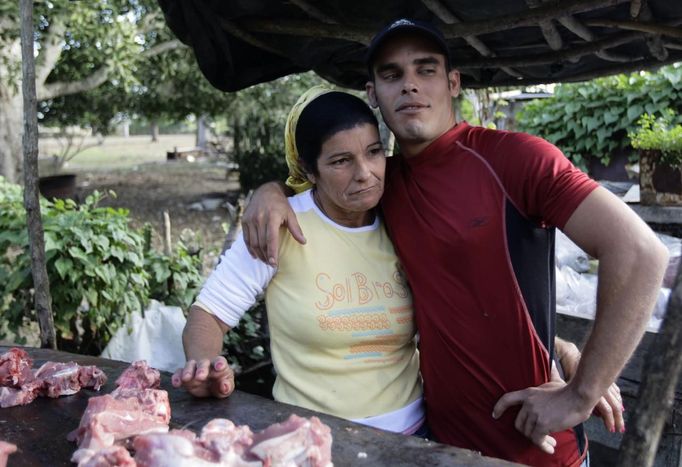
x: 5, y: 450
x: 15, y: 368
x: 108, y: 419
x: 226, y: 439
x: 169, y: 450
x: 113, y: 456
x: 139, y: 375
x: 10, y: 397
x: 297, y: 441
x: 152, y: 401
x: 91, y: 377
x: 59, y: 379
x: 177, y: 450
x: 20, y: 386
x: 55, y: 379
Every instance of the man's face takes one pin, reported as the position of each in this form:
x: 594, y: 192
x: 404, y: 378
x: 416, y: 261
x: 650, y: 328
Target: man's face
x: 413, y: 90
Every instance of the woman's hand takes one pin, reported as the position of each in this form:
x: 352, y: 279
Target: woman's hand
x: 205, y: 378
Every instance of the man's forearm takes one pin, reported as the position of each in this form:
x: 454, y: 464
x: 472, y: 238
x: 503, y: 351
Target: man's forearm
x: 281, y: 186
x: 616, y: 334
x: 203, y: 335
x: 631, y: 266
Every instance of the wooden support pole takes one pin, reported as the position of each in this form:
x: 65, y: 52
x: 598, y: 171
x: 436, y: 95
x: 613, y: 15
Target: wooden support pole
x: 167, y: 244
x: 236, y: 221
x: 363, y: 33
x: 651, y: 28
x: 41, y: 283
x: 549, y: 30
x: 555, y: 56
x: 657, y: 390
x: 313, y: 11
x: 582, y: 31
x: 446, y: 16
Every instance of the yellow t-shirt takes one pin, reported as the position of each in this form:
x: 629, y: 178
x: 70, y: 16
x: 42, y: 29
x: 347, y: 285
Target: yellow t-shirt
x: 340, y: 316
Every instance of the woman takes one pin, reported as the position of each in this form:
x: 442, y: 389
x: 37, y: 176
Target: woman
x: 339, y: 311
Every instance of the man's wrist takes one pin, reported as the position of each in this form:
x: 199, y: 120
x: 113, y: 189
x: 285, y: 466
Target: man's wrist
x: 586, y: 395
x: 280, y: 187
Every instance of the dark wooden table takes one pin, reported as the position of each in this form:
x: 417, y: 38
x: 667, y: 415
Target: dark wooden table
x: 40, y: 429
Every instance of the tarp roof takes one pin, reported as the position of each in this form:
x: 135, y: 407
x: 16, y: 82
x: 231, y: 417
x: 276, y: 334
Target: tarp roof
x: 239, y: 43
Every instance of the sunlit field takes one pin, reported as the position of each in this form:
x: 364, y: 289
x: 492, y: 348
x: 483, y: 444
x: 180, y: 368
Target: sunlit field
x: 117, y: 151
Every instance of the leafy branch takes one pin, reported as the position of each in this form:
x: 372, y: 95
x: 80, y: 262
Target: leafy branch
x: 593, y: 119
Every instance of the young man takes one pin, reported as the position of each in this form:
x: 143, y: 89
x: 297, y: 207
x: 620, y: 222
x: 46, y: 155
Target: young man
x: 471, y: 212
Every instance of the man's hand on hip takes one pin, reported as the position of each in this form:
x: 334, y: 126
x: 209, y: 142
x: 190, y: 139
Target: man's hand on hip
x: 546, y: 409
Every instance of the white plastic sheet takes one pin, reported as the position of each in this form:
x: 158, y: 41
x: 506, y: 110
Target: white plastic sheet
x: 576, y: 290
x: 156, y: 337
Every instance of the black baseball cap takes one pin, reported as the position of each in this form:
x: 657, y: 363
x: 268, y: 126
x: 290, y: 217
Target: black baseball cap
x: 406, y: 25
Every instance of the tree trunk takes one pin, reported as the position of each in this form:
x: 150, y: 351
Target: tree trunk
x: 125, y: 128
x: 41, y: 284
x: 201, y: 131
x: 154, y: 128
x: 657, y: 390
x: 237, y: 139
x: 10, y: 138
x: 10, y: 109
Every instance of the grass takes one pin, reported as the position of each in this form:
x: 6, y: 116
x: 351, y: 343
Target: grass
x: 117, y: 151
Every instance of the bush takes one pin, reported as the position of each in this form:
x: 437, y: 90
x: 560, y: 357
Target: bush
x: 659, y: 134
x: 174, y: 279
x: 592, y: 119
x: 258, y: 115
x: 261, y: 152
x: 96, y: 265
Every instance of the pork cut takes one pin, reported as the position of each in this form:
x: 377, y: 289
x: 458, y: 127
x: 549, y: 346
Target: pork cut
x: 176, y: 450
x: 15, y: 368
x: 112, y: 456
x: 10, y: 397
x: 91, y: 377
x: 110, y: 421
x: 5, y: 450
x: 296, y: 442
x: 137, y: 414
x: 139, y: 375
x: 19, y: 385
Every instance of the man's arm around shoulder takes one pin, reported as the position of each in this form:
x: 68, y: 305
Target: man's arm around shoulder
x: 267, y: 211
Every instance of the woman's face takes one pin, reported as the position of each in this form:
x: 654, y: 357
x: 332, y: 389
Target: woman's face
x: 350, y: 179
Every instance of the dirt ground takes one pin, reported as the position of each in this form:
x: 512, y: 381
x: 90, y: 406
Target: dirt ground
x: 178, y: 187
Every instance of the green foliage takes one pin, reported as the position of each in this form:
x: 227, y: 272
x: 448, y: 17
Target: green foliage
x: 258, y: 117
x: 661, y: 135
x: 592, y: 119
x: 245, y: 343
x: 96, y: 266
x: 173, y: 279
